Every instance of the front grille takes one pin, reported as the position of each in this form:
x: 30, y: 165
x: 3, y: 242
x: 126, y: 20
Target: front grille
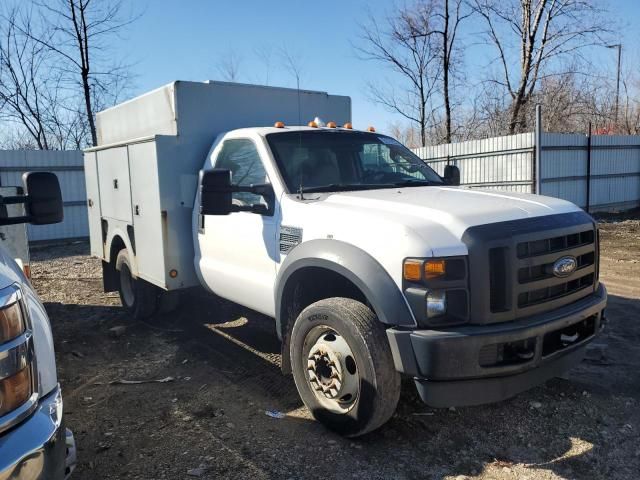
x: 554, y: 244
x: 541, y: 295
x: 536, y: 258
x: 545, y: 270
x: 511, y: 265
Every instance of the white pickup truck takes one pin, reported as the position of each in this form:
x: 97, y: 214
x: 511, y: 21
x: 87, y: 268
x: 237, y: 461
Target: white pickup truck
x: 33, y: 440
x: 372, y: 265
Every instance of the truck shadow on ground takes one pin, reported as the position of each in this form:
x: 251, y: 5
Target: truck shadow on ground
x: 565, y: 426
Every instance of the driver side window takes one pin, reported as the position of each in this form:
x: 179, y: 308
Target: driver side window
x: 242, y: 158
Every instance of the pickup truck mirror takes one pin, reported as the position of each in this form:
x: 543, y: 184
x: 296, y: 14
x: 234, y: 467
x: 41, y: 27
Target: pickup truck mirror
x: 452, y: 175
x: 44, y: 199
x: 216, y: 192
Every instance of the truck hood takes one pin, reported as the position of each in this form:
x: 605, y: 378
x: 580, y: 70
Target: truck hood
x: 438, y: 215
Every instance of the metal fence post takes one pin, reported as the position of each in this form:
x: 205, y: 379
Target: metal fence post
x: 588, y: 206
x: 537, y: 150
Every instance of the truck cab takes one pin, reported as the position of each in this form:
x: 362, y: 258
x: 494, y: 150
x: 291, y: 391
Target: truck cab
x: 371, y: 264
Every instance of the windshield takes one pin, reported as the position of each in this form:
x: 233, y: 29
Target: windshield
x: 330, y: 161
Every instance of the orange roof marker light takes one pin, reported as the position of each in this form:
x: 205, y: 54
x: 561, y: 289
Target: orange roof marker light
x: 279, y: 124
x: 348, y: 126
x: 331, y: 124
x: 371, y: 129
x: 312, y: 124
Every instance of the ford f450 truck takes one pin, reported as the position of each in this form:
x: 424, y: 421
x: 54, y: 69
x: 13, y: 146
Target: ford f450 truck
x: 372, y: 265
x: 33, y: 441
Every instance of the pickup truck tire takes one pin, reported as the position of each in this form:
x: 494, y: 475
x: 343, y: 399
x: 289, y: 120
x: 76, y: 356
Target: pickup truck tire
x: 139, y: 297
x: 342, y: 366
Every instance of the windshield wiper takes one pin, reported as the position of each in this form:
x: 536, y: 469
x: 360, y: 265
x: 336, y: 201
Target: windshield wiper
x: 345, y: 187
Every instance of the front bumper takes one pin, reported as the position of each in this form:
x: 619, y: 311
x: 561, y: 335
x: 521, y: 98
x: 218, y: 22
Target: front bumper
x: 39, y: 447
x: 450, y: 367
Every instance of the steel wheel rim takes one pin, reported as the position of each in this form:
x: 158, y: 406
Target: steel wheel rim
x: 126, y: 285
x: 331, y: 370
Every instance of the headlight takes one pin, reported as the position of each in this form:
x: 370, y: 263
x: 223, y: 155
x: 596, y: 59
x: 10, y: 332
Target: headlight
x: 16, y: 382
x: 436, y: 289
x: 436, y: 303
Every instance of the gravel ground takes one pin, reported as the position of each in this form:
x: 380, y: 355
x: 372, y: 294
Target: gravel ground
x: 220, y: 366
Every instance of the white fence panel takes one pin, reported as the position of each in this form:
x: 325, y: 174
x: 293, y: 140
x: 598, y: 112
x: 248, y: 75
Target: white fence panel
x: 499, y: 163
x: 68, y: 167
x: 507, y: 163
x: 614, y: 170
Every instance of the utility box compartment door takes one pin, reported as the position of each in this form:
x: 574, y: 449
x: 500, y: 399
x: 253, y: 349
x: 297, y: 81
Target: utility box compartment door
x: 148, y: 220
x: 93, y: 205
x: 113, y: 181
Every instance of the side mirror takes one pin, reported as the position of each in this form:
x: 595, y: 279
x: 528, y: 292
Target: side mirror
x: 452, y: 175
x: 43, y: 198
x: 215, y: 192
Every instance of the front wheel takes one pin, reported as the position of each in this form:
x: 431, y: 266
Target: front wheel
x: 343, y: 367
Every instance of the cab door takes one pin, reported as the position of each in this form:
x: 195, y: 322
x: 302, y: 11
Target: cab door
x: 238, y: 251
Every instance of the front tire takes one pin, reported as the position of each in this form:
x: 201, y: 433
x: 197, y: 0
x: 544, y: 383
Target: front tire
x: 138, y: 297
x: 343, y: 367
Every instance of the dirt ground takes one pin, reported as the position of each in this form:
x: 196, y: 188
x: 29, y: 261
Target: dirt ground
x: 221, y: 360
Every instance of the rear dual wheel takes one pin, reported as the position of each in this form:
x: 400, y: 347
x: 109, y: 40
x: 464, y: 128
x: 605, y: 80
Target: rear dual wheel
x: 342, y: 366
x: 139, y: 297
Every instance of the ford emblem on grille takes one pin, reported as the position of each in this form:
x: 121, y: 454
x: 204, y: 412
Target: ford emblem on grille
x: 565, y: 266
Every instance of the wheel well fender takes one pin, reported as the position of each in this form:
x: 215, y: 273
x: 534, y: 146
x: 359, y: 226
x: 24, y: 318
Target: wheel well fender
x: 117, y: 239
x: 350, y: 263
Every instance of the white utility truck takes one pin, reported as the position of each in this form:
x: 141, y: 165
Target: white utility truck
x: 372, y: 265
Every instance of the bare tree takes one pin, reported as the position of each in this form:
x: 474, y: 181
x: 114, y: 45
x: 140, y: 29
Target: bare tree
x: 406, y: 134
x: 547, y: 32
x: 22, y: 62
x: 80, y: 33
x: 407, y: 44
x: 229, y: 66
x: 292, y: 62
x: 451, y: 14
x: 264, y: 53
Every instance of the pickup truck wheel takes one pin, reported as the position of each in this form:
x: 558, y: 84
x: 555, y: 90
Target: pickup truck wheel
x: 342, y: 366
x: 140, y: 298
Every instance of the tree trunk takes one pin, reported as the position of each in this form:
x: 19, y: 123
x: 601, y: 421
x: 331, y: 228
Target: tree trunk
x: 445, y: 56
x: 87, y: 101
x: 518, y: 103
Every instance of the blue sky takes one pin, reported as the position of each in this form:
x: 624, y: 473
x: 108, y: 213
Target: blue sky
x: 185, y: 40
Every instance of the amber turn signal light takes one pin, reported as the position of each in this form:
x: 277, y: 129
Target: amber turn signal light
x: 412, y: 270
x: 14, y: 391
x: 11, y: 324
x: 434, y: 269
